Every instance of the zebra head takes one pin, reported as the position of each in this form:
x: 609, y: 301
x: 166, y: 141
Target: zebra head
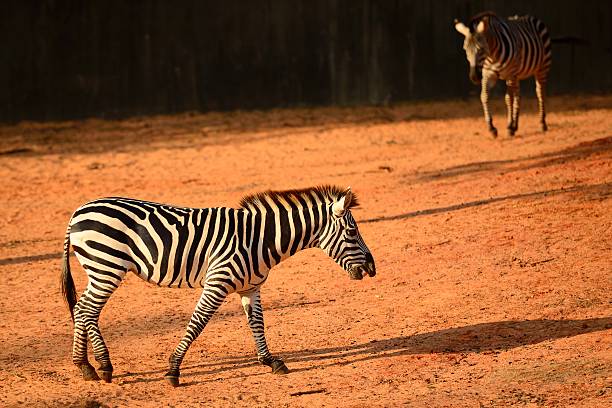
x: 475, y: 46
x: 341, y: 239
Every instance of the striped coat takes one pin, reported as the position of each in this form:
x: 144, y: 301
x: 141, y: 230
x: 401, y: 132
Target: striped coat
x: 222, y: 250
x: 510, y: 50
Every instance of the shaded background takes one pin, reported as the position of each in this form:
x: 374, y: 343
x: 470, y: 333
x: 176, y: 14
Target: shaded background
x: 73, y: 59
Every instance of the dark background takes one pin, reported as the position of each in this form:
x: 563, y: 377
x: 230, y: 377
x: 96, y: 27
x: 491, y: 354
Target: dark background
x: 72, y: 59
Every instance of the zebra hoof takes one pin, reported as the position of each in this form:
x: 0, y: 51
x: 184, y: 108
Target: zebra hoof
x: 107, y: 376
x: 493, y: 132
x: 544, y: 127
x: 278, y: 367
x: 172, y: 380
x: 89, y: 373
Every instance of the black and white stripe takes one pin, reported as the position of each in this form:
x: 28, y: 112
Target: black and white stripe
x: 222, y: 250
x: 511, y: 50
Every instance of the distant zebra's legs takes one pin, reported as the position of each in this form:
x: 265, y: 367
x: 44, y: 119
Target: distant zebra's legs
x: 251, y: 303
x: 484, y: 98
x: 512, y: 104
x: 509, y: 98
x: 517, y: 106
x: 211, y: 299
x: 541, y: 93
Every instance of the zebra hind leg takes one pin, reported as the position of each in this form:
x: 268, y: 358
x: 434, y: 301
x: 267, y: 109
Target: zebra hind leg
x: 79, y: 346
x: 101, y: 286
x: 509, y: 104
x: 209, y: 302
x: 251, y: 303
x: 512, y: 103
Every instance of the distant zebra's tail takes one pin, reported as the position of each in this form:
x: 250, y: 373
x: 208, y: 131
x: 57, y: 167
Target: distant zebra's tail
x: 66, y: 282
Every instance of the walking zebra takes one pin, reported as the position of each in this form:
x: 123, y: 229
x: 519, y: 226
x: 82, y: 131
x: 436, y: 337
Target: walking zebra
x: 512, y: 50
x: 222, y: 250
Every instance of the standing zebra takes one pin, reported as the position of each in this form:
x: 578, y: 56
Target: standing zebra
x: 512, y: 49
x: 222, y: 250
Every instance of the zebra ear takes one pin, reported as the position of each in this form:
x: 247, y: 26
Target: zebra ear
x: 340, y: 206
x: 461, y: 28
x: 483, y: 25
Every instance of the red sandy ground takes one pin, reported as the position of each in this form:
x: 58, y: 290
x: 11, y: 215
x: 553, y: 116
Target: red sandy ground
x: 494, y: 258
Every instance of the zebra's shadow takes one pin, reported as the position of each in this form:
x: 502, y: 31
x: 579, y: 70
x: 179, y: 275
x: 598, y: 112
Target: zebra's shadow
x: 477, y: 338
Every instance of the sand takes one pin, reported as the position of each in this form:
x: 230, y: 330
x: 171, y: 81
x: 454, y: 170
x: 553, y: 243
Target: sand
x: 493, y: 255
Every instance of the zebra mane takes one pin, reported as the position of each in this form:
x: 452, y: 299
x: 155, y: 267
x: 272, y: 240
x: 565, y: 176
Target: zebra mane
x: 476, y: 19
x: 329, y: 192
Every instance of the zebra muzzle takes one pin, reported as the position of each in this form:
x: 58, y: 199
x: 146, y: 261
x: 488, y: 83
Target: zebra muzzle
x: 357, y: 272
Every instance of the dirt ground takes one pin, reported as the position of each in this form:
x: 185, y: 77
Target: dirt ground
x: 494, y: 258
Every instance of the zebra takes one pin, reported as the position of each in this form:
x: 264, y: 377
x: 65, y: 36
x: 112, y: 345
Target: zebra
x: 511, y: 50
x: 222, y: 250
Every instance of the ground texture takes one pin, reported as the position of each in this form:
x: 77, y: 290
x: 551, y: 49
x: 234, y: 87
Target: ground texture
x: 494, y: 258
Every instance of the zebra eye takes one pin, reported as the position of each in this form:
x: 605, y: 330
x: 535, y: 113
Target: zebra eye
x: 351, y: 232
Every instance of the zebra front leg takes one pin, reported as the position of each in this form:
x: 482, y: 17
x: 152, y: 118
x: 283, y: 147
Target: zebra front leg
x: 251, y: 303
x: 541, y: 93
x: 484, y: 98
x: 509, y: 103
x: 210, y: 300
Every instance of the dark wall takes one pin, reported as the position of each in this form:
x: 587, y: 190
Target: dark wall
x: 66, y: 59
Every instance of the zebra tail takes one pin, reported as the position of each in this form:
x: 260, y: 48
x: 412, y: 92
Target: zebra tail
x: 67, y: 284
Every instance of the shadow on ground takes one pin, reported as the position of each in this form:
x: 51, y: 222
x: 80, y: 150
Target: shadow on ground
x: 599, y: 191
x: 580, y: 151
x: 477, y: 338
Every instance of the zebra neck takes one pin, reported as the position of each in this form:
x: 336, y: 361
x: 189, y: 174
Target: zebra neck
x: 281, y: 231
x: 496, y: 41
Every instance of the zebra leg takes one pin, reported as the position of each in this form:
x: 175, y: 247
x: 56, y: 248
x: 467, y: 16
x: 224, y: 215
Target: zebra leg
x: 79, y: 344
x: 509, y: 98
x: 541, y: 93
x: 512, y: 103
x: 516, y: 108
x: 211, y: 299
x: 484, y: 98
x: 94, y: 299
x: 251, y: 304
